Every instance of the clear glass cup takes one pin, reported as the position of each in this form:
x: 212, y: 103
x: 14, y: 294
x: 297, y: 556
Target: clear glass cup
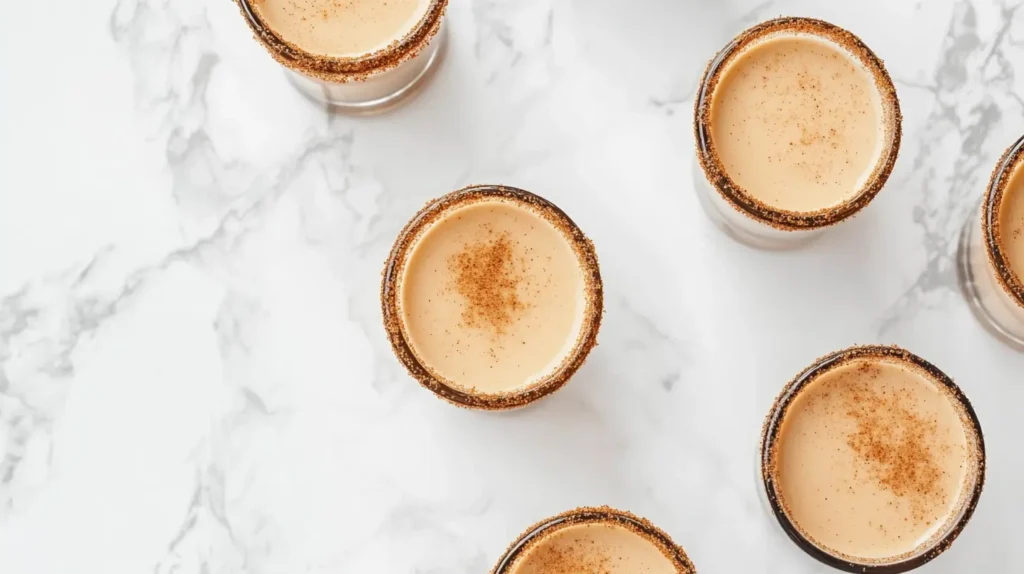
x: 735, y: 210
x: 598, y: 515
x: 367, y: 83
x: 993, y: 291
x: 938, y: 542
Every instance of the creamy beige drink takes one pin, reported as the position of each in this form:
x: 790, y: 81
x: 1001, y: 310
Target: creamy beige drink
x: 346, y: 28
x: 355, y: 54
x: 873, y: 457
x: 1011, y: 221
x: 495, y: 296
x: 595, y: 541
x: 594, y: 548
x: 797, y: 125
x: 991, y: 254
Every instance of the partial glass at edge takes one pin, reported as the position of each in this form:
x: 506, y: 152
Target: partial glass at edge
x: 770, y: 500
x: 742, y: 224
x: 599, y: 515
x: 373, y: 91
x: 987, y: 288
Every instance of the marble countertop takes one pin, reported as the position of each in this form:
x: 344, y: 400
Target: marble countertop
x: 194, y: 377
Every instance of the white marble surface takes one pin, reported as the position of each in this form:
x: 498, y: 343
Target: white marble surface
x: 193, y: 373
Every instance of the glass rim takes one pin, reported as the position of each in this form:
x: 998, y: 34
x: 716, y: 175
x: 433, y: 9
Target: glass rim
x: 741, y: 199
x: 586, y: 337
x: 346, y: 68
x: 597, y: 515
x: 928, y: 550
x: 1011, y: 160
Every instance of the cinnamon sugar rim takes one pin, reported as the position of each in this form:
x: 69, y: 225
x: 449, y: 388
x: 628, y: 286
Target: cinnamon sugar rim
x: 1011, y: 160
x: 450, y: 391
x: 642, y: 527
x: 968, y: 498
x: 741, y: 199
x: 339, y: 68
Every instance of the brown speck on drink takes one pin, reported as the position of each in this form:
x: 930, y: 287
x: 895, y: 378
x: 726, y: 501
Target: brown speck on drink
x: 485, y: 275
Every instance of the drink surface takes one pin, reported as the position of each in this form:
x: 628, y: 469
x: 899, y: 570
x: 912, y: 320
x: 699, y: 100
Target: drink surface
x: 341, y: 27
x: 1011, y: 221
x: 593, y: 548
x: 492, y: 297
x: 796, y: 122
x: 872, y: 459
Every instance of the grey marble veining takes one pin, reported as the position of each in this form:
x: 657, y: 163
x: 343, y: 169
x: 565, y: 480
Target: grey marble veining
x: 193, y: 373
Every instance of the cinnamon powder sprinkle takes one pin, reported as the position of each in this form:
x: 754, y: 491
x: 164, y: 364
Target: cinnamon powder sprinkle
x: 490, y: 277
x: 897, y: 446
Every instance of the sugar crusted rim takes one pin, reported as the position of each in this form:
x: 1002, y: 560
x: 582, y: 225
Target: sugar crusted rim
x: 742, y: 200
x: 536, y: 534
x: 346, y: 69
x: 968, y: 499
x: 586, y: 338
x: 1011, y: 160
